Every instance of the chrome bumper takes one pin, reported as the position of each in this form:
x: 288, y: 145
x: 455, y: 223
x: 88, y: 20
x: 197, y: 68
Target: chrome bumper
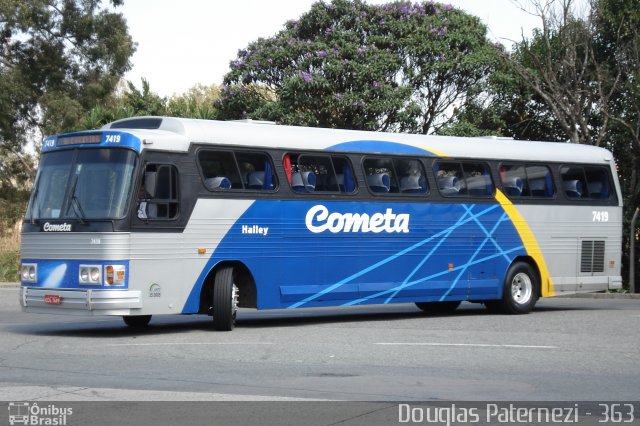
x: 87, y: 302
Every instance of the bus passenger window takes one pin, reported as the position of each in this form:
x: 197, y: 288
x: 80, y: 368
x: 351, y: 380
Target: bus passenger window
x: 225, y: 170
x: 381, y: 177
x: 540, y: 181
x: 450, y: 178
x: 574, y: 182
x: 597, y: 182
x: 478, y: 178
x: 343, y: 178
x: 513, y: 179
x: 412, y: 177
x: 256, y: 171
x: 219, y: 170
x: 312, y: 173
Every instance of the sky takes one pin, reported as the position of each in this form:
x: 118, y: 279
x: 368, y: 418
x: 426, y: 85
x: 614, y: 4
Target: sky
x: 188, y: 42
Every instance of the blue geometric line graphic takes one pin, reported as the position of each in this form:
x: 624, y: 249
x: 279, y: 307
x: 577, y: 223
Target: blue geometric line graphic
x: 433, y: 250
x: 480, y: 247
x: 430, y: 277
x: 382, y: 262
x: 481, y: 226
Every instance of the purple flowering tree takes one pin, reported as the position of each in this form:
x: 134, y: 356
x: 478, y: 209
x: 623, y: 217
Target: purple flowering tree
x: 398, y: 67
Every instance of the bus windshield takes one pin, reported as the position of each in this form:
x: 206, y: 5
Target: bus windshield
x: 82, y: 184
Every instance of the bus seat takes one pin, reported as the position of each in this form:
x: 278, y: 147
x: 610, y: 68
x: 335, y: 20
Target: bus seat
x: 573, y: 188
x: 255, y: 180
x: 219, y: 182
x: 537, y: 187
x: 513, y: 186
x: 598, y: 189
x: 448, y: 185
x: 379, y: 182
x: 413, y: 184
x: 303, y: 181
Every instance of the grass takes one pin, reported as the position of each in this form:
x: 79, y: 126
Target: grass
x: 10, y: 254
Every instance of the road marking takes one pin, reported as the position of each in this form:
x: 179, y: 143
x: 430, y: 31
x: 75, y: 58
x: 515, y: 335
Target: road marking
x: 472, y: 345
x: 189, y: 343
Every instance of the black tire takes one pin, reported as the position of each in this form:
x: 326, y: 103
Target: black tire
x: 137, y: 321
x: 438, y: 307
x: 225, y: 300
x: 520, y: 291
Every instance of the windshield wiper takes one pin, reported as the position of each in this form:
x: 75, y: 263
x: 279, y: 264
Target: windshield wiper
x: 78, y: 208
x: 75, y: 202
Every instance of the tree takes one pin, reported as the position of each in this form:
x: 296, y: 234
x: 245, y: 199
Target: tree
x: 58, y: 59
x: 198, y: 102
x: 399, y: 66
x: 560, y: 65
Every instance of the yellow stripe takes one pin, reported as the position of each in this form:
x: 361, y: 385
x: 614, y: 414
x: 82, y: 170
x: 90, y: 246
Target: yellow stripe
x: 529, y: 241
x: 434, y: 151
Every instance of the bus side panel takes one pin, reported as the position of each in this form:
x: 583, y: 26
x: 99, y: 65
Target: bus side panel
x: 566, y: 236
x: 313, y: 253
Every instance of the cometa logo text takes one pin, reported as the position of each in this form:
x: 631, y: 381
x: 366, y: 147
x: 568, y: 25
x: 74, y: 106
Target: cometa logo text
x: 319, y: 219
x: 56, y: 227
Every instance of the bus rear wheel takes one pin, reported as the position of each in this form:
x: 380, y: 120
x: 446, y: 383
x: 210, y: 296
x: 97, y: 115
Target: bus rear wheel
x: 438, y: 307
x: 520, y: 291
x: 225, y: 300
x: 137, y: 321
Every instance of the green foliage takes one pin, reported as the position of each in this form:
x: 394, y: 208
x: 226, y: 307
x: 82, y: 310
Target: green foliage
x: 9, y: 264
x: 197, y: 102
x: 58, y: 59
x: 347, y: 64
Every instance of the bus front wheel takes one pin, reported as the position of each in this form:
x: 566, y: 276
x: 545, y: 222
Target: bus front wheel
x: 225, y: 300
x: 137, y: 321
x: 520, y: 291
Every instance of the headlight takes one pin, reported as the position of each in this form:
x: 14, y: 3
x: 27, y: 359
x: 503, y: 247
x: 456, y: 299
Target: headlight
x: 29, y: 272
x: 90, y: 275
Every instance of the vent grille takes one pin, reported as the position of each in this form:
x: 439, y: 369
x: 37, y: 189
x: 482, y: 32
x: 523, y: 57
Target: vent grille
x: 592, y: 256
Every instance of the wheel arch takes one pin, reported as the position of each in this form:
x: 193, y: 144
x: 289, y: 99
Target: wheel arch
x: 243, y: 279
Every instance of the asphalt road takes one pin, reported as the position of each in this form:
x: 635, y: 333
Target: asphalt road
x: 567, y: 349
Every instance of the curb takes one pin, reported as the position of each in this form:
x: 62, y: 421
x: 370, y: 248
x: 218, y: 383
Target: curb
x: 634, y: 296
x: 9, y: 285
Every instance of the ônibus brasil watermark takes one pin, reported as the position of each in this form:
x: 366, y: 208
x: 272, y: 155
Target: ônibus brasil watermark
x: 26, y: 413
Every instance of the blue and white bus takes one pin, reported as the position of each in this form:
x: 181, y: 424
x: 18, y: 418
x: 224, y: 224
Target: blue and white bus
x: 160, y: 215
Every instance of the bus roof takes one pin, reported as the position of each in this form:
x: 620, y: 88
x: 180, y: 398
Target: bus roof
x: 177, y: 134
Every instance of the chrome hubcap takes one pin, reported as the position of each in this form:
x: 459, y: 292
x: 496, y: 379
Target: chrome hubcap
x: 234, y: 300
x: 521, y: 288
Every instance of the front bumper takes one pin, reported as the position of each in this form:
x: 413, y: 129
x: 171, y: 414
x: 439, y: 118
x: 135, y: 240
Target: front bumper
x: 80, y: 302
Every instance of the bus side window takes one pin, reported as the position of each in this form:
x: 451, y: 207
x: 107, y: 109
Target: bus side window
x: 158, y: 195
x: 219, y: 170
x: 450, y: 178
x: 311, y: 173
x: 412, y: 176
x: 597, y: 182
x: 478, y: 178
x: 574, y: 182
x: 513, y: 180
x: 540, y: 181
x: 256, y: 171
x: 381, y: 177
x: 343, y: 177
